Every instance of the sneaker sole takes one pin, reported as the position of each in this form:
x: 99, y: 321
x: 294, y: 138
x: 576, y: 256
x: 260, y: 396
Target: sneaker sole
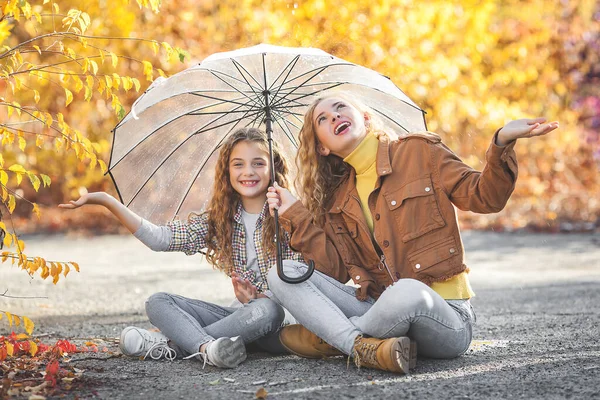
x: 229, y: 353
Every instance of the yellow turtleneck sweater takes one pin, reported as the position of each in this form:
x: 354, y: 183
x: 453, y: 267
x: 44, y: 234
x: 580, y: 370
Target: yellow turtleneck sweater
x: 363, y: 160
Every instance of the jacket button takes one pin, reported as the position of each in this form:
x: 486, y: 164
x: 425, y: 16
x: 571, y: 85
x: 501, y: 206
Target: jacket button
x: 386, y: 243
x: 357, y: 277
x: 377, y: 216
x: 393, y: 202
x: 452, y: 250
x: 427, y: 189
x: 418, y: 266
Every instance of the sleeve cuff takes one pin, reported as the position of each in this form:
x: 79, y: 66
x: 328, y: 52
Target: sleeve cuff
x: 500, y: 153
x: 293, y: 216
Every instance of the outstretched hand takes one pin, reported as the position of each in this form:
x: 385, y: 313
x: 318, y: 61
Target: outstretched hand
x: 524, y: 128
x: 88, y: 198
x: 244, y: 290
x: 279, y: 199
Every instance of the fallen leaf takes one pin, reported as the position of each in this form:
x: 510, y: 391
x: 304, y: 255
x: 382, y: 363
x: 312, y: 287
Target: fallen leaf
x: 261, y: 393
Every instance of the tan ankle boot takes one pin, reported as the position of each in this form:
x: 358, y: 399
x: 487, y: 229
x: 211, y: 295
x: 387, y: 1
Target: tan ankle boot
x: 300, y: 341
x: 392, y: 354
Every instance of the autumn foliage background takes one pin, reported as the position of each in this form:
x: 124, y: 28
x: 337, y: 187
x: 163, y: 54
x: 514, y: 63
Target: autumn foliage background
x: 472, y: 65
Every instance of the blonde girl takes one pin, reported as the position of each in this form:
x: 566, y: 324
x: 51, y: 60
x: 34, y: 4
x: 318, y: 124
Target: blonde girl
x: 378, y: 208
x: 237, y: 233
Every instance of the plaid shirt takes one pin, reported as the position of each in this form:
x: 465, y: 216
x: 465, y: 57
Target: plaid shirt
x: 190, y: 238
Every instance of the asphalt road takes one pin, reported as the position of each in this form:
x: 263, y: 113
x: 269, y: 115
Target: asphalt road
x: 537, y: 333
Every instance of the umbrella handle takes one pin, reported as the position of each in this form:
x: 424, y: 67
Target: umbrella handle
x: 282, y: 276
x: 299, y: 279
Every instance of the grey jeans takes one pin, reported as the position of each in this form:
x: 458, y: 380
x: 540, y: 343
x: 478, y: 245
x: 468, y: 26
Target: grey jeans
x: 189, y: 323
x: 330, y: 309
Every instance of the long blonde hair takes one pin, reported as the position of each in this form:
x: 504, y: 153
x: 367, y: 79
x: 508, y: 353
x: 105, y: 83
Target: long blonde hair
x: 225, y: 200
x: 316, y: 185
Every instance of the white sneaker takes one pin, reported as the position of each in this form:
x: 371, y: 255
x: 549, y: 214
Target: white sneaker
x: 223, y: 353
x: 142, y: 343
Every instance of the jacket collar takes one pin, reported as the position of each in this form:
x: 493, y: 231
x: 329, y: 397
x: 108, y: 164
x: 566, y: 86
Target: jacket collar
x: 384, y: 168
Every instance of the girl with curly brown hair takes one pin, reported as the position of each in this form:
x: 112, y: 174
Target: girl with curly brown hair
x: 237, y: 232
x: 379, y: 208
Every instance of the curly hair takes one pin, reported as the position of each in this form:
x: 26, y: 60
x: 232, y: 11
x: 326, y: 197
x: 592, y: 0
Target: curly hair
x: 316, y: 186
x: 225, y: 200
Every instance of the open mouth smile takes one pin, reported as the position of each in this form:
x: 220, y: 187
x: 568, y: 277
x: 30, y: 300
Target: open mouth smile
x: 248, y: 183
x: 341, y: 128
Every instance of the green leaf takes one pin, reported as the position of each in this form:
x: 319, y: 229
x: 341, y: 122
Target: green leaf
x: 46, y: 179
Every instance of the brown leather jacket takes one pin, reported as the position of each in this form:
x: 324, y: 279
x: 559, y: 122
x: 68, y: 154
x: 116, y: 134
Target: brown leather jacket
x: 419, y: 182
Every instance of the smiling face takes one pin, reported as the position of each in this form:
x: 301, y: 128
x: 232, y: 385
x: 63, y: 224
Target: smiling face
x: 249, y: 172
x: 339, y: 126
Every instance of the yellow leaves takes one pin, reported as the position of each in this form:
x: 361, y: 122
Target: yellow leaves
x: 155, y: 46
x: 35, y: 181
x: 8, y: 239
x: 103, y: 168
x: 77, y: 21
x: 148, y: 70
x: 10, y: 348
x: 33, y: 347
x: 154, y: 4
x: 68, y: 97
x: 36, y: 210
x: 12, y: 203
x: 5, y: 28
x: 15, y: 320
x: 114, y: 59
x: 94, y: 66
x: 17, y: 168
x: 46, y: 180
x: 3, y: 178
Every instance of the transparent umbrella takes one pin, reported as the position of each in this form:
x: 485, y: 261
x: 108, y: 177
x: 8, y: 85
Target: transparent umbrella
x: 165, y: 150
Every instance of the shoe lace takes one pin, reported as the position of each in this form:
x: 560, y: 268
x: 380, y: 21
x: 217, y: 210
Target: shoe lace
x: 202, y: 355
x: 365, y: 353
x: 161, y: 350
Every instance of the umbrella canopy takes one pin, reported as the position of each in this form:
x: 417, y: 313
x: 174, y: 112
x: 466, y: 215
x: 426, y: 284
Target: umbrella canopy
x: 164, y: 151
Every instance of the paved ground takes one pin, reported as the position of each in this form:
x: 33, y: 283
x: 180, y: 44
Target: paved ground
x: 537, y: 334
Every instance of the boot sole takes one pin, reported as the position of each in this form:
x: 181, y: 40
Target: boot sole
x: 401, y: 350
x: 413, y: 354
x: 228, y: 353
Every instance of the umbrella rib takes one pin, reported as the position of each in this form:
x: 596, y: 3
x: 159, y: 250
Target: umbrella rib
x: 299, y: 86
x: 281, y: 99
x: 258, y: 95
x: 173, y: 152
x: 391, y: 119
x: 216, y: 74
x: 285, y: 130
x: 179, y: 116
x: 238, y: 66
x: 204, y: 163
x: 291, y: 66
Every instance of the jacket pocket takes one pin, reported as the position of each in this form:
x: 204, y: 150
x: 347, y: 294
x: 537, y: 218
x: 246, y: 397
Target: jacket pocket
x: 344, y: 235
x: 432, y: 254
x: 415, y: 209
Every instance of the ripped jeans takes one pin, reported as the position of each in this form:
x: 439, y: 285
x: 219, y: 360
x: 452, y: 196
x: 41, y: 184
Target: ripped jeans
x: 190, y: 323
x: 330, y: 309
